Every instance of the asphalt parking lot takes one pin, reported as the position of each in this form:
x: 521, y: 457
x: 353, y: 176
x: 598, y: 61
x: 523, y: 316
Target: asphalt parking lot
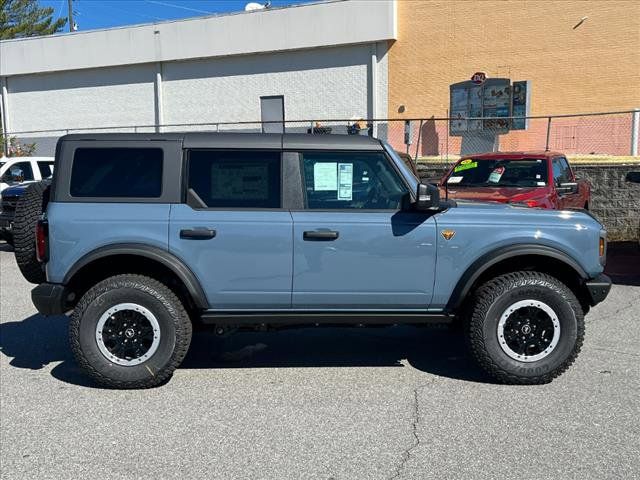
x: 396, y: 402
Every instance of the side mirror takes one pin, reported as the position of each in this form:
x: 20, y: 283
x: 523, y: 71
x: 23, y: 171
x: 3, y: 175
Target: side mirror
x: 568, y: 187
x: 633, y: 177
x: 427, y: 197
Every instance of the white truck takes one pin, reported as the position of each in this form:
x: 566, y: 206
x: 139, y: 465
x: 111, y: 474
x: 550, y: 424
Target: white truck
x: 17, y: 170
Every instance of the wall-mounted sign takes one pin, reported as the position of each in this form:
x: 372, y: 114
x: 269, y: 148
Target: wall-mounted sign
x: 496, y: 104
x: 485, y: 105
x: 478, y: 78
x: 521, y: 105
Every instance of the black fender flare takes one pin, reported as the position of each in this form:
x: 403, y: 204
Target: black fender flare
x: 486, y: 261
x: 163, y: 257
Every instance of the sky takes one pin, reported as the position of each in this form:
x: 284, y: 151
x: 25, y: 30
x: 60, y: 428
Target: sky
x: 92, y: 14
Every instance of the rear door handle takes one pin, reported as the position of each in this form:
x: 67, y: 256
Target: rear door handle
x: 197, y: 233
x: 320, y: 235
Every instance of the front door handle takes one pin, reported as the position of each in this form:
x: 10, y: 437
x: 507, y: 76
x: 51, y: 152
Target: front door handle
x: 197, y: 233
x: 320, y: 235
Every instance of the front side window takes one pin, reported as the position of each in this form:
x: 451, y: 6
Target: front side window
x: 351, y: 180
x: 236, y: 179
x: 561, y: 171
x: 117, y: 172
x: 20, y: 172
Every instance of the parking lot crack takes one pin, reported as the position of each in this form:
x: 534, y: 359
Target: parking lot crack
x: 633, y: 303
x: 620, y: 352
x: 415, y: 443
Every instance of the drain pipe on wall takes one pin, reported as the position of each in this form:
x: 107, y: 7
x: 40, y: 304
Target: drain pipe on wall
x: 635, y: 128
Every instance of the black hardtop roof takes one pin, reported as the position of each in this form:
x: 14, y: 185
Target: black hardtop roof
x: 287, y: 141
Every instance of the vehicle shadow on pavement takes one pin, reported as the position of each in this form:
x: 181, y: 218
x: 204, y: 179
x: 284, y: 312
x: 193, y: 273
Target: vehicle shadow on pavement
x: 38, y: 341
x: 438, y: 351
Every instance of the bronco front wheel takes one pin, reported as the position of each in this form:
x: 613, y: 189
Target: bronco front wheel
x: 129, y: 331
x: 525, y: 328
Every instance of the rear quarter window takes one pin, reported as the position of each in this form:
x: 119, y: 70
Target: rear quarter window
x: 117, y: 172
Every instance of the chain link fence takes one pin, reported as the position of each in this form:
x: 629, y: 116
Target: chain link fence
x: 599, y: 135
x: 610, y: 134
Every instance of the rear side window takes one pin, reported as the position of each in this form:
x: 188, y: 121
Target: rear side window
x: 46, y: 169
x: 236, y: 179
x: 117, y: 172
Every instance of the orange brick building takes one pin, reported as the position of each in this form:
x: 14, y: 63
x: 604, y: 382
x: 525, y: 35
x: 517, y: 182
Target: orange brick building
x: 591, y: 68
x: 581, y: 56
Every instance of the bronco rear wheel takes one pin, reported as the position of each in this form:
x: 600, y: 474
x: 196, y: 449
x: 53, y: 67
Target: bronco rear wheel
x: 130, y: 331
x: 525, y: 328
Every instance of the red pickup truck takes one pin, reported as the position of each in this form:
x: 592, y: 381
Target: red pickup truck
x: 534, y: 179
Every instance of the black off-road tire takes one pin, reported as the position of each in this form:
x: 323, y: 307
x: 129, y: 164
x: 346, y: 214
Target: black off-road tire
x: 174, y: 322
x: 28, y: 212
x: 490, y: 302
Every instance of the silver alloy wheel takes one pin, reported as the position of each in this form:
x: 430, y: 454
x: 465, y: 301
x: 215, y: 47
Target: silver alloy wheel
x: 128, y: 334
x: 528, y: 330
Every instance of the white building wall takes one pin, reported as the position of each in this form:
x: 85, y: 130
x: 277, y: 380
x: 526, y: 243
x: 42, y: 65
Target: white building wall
x: 319, y: 83
x: 320, y: 57
x: 303, y: 26
x: 82, y: 98
x: 382, y: 89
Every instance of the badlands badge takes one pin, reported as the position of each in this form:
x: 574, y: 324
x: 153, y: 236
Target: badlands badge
x: 448, y: 234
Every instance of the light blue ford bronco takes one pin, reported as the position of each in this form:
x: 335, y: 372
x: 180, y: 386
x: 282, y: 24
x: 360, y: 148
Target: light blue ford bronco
x: 144, y: 235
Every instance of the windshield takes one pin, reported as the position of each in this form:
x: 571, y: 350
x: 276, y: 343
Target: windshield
x: 499, y: 173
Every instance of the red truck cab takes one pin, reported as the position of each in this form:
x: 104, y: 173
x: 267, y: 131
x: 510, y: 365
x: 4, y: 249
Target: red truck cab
x: 535, y: 179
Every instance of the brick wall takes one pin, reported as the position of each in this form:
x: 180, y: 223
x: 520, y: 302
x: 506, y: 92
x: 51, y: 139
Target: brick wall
x: 594, y: 67
x: 614, y: 201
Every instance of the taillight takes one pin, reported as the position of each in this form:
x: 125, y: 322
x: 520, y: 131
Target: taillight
x: 42, y: 241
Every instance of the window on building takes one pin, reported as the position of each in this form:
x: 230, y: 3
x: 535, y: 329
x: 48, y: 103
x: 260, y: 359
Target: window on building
x: 117, y: 172
x: 236, y: 179
x: 351, y: 180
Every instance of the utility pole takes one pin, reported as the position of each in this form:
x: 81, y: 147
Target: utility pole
x: 71, y: 24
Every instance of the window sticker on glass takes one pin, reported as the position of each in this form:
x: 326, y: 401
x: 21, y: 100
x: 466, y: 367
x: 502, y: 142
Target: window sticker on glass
x: 496, y: 175
x: 345, y: 181
x: 455, y: 179
x: 325, y: 176
x: 465, y: 164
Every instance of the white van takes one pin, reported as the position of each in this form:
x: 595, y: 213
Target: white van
x: 17, y: 170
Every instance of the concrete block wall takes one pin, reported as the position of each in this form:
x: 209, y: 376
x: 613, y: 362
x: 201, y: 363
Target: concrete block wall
x: 614, y: 201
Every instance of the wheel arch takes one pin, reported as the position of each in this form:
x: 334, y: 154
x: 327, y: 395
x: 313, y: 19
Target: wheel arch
x: 520, y: 257
x: 136, y: 258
